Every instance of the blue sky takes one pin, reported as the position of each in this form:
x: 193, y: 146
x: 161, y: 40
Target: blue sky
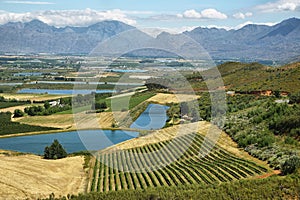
x: 172, y: 14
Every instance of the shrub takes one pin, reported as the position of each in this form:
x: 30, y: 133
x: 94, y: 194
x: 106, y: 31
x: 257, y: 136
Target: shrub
x: 291, y: 165
x: 18, y: 113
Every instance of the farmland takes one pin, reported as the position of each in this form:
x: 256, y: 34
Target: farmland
x: 138, y: 165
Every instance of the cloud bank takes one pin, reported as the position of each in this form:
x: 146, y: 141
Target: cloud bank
x: 61, y: 18
x: 280, y: 5
x: 30, y: 2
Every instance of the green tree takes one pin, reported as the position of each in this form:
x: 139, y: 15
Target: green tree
x: 277, y: 93
x: 18, y: 113
x: 47, y: 105
x: 55, y: 151
x: 294, y: 98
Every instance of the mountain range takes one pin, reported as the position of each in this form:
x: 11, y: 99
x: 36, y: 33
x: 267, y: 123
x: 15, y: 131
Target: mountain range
x: 280, y: 42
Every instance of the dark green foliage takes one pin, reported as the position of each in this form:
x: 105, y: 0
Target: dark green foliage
x: 277, y: 93
x: 155, y: 86
x: 46, y: 109
x: 99, y: 106
x: 55, y: 151
x: 291, y: 165
x: 47, y: 105
x: 18, y: 113
x: 9, y: 127
x: 253, y: 122
x: 294, y: 98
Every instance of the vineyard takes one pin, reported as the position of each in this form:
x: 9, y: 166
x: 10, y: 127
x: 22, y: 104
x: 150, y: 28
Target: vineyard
x: 143, y: 167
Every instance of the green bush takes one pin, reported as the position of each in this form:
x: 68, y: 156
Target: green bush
x: 291, y: 165
x: 18, y: 113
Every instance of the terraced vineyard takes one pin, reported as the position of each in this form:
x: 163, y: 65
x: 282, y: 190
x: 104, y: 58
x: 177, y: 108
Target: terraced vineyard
x: 142, y: 168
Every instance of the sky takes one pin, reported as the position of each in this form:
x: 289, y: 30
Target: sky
x: 173, y: 15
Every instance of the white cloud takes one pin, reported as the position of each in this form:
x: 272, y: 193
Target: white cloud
x: 29, y: 2
x: 204, y: 14
x: 240, y: 15
x: 213, y: 14
x: 280, y: 5
x: 192, y: 14
x: 62, y: 18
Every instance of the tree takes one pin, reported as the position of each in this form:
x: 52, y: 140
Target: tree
x: 55, y: 151
x: 277, y: 94
x: 99, y: 106
x: 291, y: 165
x: 294, y: 98
x: 18, y: 113
x: 47, y: 105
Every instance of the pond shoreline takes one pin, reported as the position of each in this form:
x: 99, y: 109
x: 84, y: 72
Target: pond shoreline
x: 66, y: 130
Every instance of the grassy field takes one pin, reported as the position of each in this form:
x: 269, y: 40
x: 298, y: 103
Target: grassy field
x: 31, y: 177
x: 32, y: 97
x: 11, y: 104
x: 70, y: 121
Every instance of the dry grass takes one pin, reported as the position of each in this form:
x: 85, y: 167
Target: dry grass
x: 32, y: 97
x: 70, y: 121
x: 162, y: 98
x: 31, y: 177
x: 57, y: 121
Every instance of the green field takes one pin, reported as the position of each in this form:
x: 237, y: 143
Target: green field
x: 120, y: 102
x: 11, y: 104
x: 216, y: 167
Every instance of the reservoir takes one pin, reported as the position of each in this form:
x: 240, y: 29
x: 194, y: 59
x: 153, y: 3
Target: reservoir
x: 153, y: 118
x: 72, y: 141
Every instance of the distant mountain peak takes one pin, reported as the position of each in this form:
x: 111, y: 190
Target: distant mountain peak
x: 284, y: 28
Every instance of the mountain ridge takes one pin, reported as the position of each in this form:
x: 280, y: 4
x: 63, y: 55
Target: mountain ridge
x: 280, y: 42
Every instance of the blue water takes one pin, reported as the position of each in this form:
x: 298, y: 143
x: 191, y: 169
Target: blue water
x: 73, y: 141
x: 63, y: 92
x: 154, y: 117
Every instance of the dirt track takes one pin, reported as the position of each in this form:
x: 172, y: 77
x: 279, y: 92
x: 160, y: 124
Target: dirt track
x: 31, y: 177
